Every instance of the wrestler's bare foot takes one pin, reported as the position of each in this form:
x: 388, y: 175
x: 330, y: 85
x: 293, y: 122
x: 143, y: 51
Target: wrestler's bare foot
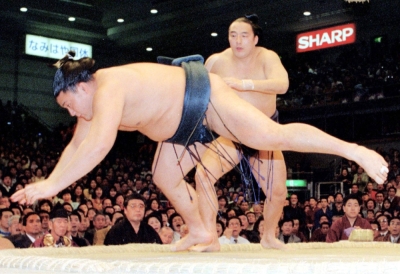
x: 209, y: 247
x: 274, y: 243
x: 372, y: 163
x: 192, y: 239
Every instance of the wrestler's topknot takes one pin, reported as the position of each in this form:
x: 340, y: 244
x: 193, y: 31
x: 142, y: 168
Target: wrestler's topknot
x: 71, y: 72
x: 252, y: 20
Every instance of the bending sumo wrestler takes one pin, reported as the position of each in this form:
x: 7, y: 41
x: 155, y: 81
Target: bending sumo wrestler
x: 128, y: 98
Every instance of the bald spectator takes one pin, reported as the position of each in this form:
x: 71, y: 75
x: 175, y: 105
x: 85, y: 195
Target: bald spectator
x: 166, y: 234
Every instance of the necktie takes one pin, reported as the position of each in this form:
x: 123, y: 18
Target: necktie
x: 235, y: 240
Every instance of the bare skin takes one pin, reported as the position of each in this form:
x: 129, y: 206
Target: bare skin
x: 127, y: 98
x: 244, y: 60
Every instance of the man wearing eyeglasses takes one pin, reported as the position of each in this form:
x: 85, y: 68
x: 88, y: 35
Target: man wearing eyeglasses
x: 394, y: 232
x: 384, y: 224
x: 132, y: 229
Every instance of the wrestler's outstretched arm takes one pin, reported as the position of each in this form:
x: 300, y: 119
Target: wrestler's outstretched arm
x: 94, y: 140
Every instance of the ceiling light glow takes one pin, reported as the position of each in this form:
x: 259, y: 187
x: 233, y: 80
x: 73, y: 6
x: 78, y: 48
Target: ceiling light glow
x: 214, y: 34
x: 149, y: 49
x: 23, y: 9
x: 306, y: 13
x: 71, y: 19
x: 153, y: 11
x: 120, y: 20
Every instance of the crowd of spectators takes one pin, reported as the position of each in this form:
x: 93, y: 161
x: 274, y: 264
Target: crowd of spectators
x: 353, y: 77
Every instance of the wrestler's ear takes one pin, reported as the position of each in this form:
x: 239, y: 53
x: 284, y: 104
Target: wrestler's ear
x: 82, y: 86
x: 255, y: 39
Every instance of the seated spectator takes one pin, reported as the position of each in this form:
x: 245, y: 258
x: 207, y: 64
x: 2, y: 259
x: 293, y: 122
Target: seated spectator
x: 231, y: 233
x: 5, y: 214
x: 58, y: 236
x: 341, y: 228
x: 355, y: 191
x: 394, y: 232
x: 154, y: 220
x: 66, y: 196
x: 220, y: 228
x: 370, y: 205
x: 308, y: 229
x: 166, y: 235
x: 97, y: 198
x: 384, y: 224
x: 251, y: 218
x: 324, y: 210
x: 379, y: 197
x: 286, y: 235
x: 132, y: 229
x: 375, y: 228
x: 14, y: 225
x: 32, y: 230
x: 107, y: 203
x: 175, y: 221
x: 296, y: 230
x: 361, y: 178
x: 45, y: 205
x: 6, y: 185
x: 75, y: 220
x: 153, y: 204
x: 244, y: 206
x: 319, y: 235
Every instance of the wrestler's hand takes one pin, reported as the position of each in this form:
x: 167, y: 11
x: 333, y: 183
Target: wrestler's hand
x: 35, y: 191
x: 234, y: 83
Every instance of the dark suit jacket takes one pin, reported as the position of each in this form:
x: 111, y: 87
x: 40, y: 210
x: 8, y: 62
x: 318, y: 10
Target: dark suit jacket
x: 20, y: 241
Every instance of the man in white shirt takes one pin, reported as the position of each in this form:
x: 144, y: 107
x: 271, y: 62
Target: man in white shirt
x: 231, y: 233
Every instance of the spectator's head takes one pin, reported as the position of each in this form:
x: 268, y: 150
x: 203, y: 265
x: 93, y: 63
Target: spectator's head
x: 166, y: 234
x: 175, y: 221
x: 14, y: 225
x: 59, y: 221
x: 154, y: 220
x: 32, y: 224
x: 394, y: 226
x: 45, y: 205
x: 235, y: 224
x: 325, y: 227
x: 351, y: 206
x: 286, y: 226
x: 99, y: 221
x: 5, y: 214
x: 134, y: 208
x: 220, y: 228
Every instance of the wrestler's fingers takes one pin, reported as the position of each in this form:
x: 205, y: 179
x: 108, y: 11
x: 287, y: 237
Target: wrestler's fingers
x: 18, y: 196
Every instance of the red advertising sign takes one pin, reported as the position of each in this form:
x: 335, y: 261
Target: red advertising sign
x: 326, y: 38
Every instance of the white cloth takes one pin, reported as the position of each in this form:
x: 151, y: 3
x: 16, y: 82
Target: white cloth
x: 239, y: 240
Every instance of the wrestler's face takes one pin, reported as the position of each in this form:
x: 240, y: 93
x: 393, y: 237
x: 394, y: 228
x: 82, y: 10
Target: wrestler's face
x: 241, y: 39
x: 78, y: 102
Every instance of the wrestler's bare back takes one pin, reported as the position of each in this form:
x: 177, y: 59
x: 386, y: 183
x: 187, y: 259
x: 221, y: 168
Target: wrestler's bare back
x: 256, y: 69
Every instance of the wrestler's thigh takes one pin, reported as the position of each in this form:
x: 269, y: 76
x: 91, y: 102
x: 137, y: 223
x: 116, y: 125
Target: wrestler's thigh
x: 219, y: 159
x: 172, y: 162
x: 236, y: 119
x: 278, y: 175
